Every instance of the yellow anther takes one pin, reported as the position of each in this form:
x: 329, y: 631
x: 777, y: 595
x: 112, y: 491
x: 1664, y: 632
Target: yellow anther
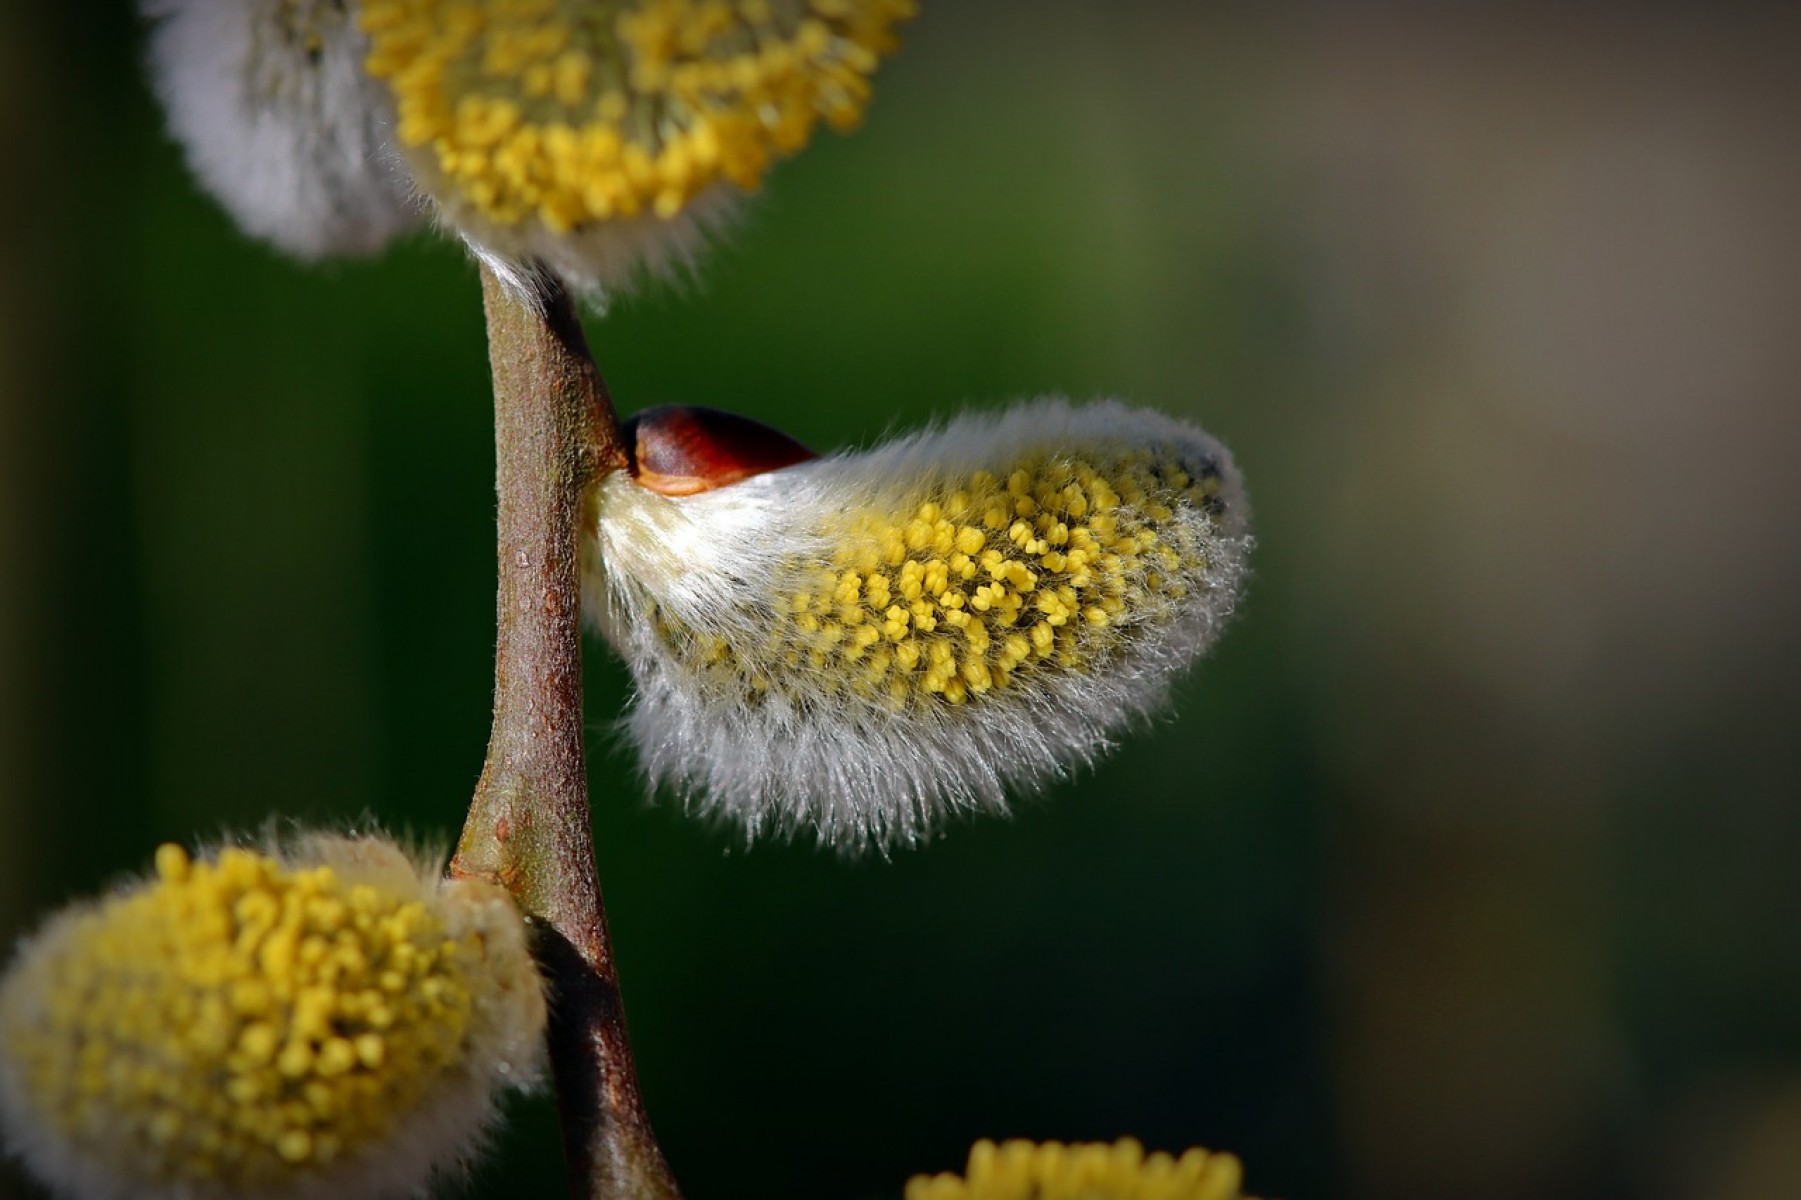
x: 296, y: 1145
x: 295, y: 1060
x: 336, y: 1057
x: 171, y: 863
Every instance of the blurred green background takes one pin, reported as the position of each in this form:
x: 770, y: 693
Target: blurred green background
x: 1467, y: 866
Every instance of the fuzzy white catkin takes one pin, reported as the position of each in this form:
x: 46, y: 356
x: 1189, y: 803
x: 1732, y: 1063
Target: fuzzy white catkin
x: 319, y: 1020
x: 281, y: 123
x: 863, y: 644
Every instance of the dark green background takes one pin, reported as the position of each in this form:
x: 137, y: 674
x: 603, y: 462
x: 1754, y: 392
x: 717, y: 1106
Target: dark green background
x: 1467, y: 866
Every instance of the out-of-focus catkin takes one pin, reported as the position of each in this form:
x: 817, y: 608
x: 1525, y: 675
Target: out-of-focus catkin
x: 607, y: 138
x: 321, y: 1020
x: 1022, y: 1170
x: 281, y: 123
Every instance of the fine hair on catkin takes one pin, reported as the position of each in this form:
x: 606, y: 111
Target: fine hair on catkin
x: 860, y: 645
x: 280, y: 122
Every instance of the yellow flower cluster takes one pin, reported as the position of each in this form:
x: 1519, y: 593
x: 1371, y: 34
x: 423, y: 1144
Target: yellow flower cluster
x: 569, y: 112
x: 1021, y: 1170
x: 241, y: 1025
x: 278, y: 120
x: 1051, y: 566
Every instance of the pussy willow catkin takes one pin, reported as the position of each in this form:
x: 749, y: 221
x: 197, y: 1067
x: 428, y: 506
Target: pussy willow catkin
x: 861, y: 644
x: 310, y: 1022
x: 1021, y: 1170
x: 606, y: 137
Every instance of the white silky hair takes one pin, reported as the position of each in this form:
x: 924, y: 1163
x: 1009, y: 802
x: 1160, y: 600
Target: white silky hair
x: 816, y: 757
x: 280, y: 122
x: 600, y: 260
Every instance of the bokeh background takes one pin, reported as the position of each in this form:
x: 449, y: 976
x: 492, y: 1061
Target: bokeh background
x: 1469, y: 865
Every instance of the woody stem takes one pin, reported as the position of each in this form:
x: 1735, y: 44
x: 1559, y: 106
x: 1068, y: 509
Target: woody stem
x: 529, y: 827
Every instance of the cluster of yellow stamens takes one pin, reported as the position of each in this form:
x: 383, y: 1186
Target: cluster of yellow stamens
x: 1021, y: 1170
x: 237, y: 1024
x: 578, y: 111
x: 983, y: 579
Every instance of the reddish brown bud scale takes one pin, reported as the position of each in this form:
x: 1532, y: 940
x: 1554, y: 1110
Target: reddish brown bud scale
x: 681, y: 450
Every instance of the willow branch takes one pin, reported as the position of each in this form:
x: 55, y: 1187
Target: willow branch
x: 529, y: 826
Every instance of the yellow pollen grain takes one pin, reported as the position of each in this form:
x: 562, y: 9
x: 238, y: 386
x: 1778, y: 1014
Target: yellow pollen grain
x: 219, y: 1022
x: 568, y: 112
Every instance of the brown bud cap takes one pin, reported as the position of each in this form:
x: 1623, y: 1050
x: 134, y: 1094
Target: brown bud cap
x: 679, y: 449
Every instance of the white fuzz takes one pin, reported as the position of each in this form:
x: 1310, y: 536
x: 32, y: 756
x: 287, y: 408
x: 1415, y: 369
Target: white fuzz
x: 862, y: 644
x: 601, y: 261
x: 280, y: 121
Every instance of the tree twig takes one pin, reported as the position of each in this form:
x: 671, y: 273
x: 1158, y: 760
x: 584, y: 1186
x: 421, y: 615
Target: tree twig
x: 529, y: 826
